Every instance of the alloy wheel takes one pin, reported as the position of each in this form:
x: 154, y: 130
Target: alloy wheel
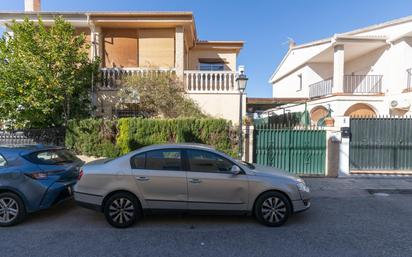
x: 9, y: 210
x: 121, y: 210
x: 273, y: 209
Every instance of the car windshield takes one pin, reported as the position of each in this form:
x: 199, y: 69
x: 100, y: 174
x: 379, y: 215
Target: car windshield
x: 52, y: 157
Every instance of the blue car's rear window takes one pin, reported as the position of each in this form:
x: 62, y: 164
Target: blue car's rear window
x: 52, y: 157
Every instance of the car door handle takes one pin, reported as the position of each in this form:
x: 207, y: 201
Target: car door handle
x: 195, y: 181
x: 143, y: 178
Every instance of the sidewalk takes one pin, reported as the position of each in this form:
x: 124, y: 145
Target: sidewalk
x: 354, y: 187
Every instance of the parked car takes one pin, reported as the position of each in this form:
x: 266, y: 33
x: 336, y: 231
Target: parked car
x: 33, y: 178
x: 187, y: 178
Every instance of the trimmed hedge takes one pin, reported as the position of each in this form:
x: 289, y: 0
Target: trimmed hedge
x: 97, y: 137
x: 92, y: 137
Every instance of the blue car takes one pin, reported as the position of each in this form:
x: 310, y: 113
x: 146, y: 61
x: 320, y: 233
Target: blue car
x: 33, y: 178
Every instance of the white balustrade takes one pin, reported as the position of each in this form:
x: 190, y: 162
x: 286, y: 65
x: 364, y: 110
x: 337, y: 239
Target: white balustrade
x: 210, y: 81
x: 112, y: 77
x: 194, y: 81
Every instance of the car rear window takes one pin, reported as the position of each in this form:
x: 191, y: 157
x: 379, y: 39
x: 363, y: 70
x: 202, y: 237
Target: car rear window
x: 52, y: 157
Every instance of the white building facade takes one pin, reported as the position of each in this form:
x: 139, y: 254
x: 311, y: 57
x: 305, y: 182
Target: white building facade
x: 366, y: 72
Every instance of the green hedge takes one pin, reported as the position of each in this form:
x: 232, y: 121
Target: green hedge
x: 97, y: 137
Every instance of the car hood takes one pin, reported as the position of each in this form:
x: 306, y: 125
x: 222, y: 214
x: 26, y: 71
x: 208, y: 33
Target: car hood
x: 261, y: 170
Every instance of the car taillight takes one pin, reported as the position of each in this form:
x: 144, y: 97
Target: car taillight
x: 80, y: 174
x: 37, y: 175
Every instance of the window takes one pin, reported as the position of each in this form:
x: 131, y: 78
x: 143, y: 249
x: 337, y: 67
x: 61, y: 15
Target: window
x: 139, y: 161
x: 3, y: 161
x: 203, y: 161
x: 52, y: 157
x: 167, y: 159
x: 211, y: 66
x: 300, y: 82
x: 206, y: 64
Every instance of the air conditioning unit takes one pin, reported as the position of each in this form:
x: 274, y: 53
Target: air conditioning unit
x: 400, y: 104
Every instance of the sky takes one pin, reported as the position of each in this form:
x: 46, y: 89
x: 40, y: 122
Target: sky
x: 264, y: 25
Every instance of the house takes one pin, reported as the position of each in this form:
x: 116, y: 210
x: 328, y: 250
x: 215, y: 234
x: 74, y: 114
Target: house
x: 365, y: 72
x: 145, y: 42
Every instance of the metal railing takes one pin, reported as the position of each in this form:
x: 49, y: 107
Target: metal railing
x: 321, y: 88
x: 352, y: 84
x: 112, y: 78
x: 126, y: 113
x: 47, y: 136
x: 210, y: 81
x: 362, y: 84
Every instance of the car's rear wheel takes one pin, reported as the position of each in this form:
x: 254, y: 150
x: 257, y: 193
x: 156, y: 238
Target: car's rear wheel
x: 122, y: 210
x: 12, y: 210
x: 272, y: 209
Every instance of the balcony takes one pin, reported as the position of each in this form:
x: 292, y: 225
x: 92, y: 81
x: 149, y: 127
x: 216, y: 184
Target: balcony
x: 362, y: 84
x: 195, y: 82
x: 321, y: 88
x: 352, y: 84
x: 111, y: 78
x: 220, y: 82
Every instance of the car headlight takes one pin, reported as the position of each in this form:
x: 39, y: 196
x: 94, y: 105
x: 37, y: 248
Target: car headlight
x: 303, y: 187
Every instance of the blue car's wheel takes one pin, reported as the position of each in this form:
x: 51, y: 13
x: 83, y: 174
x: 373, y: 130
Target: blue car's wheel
x: 12, y: 209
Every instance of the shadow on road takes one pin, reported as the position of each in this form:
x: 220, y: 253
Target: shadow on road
x: 68, y: 214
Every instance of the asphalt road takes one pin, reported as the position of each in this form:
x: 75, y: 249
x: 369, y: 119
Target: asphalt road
x: 351, y: 223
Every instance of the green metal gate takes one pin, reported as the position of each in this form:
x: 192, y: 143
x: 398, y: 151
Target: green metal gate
x: 296, y: 151
x: 380, y: 144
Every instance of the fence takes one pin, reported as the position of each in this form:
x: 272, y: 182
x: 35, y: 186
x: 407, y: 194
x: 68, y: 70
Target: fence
x: 288, y: 120
x: 48, y: 136
x: 381, y: 143
x: 298, y: 150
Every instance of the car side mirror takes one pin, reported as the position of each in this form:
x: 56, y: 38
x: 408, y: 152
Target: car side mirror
x: 235, y: 170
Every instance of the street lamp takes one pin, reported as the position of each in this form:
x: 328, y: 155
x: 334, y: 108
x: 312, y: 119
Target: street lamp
x: 241, y: 83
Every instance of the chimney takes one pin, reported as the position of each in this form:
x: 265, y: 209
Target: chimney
x: 291, y: 42
x: 32, y: 5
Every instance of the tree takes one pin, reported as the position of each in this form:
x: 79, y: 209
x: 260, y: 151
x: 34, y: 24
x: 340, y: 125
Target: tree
x: 159, y: 94
x: 45, y: 74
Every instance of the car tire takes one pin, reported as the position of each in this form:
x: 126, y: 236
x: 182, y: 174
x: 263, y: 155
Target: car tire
x: 12, y: 210
x: 122, y: 210
x: 272, y: 209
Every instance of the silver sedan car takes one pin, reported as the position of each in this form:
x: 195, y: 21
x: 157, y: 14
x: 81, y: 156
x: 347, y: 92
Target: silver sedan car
x: 188, y: 178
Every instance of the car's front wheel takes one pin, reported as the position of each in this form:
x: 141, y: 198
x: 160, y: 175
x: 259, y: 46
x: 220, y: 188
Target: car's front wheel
x: 272, y: 209
x: 122, y: 210
x: 12, y: 210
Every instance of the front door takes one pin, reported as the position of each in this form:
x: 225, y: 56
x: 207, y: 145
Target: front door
x: 161, y: 179
x: 211, y: 185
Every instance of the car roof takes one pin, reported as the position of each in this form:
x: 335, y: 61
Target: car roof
x: 181, y: 145
x: 24, y: 149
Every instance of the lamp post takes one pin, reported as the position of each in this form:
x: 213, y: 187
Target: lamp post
x: 241, y: 83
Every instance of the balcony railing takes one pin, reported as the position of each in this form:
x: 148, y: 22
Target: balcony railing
x: 409, y: 80
x: 210, y: 81
x: 194, y: 81
x: 352, y: 84
x: 321, y: 88
x: 362, y: 84
x: 112, y: 77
